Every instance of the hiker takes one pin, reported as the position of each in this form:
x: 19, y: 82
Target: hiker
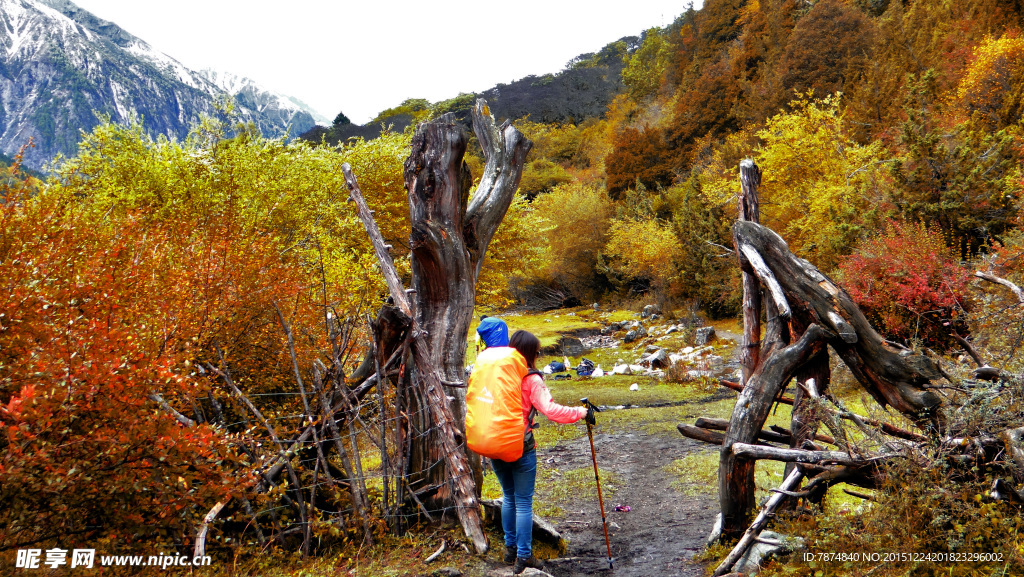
x: 517, y: 478
x: 493, y: 331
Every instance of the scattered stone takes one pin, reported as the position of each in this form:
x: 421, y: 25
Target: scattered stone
x: 637, y: 333
x: 634, y: 387
x: 596, y: 306
x: 600, y: 342
x: 444, y: 572
x: 649, y: 310
x: 704, y: 335
x: 673, y: 329
x: 621, y: 370
x: 656, y: 360
x: 652, y: 349
x: 687, y: 350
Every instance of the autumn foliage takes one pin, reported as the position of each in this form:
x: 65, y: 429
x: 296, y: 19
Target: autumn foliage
x: 909, y: 283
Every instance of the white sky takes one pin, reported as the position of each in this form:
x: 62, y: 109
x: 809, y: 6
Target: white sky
x: 363, y: 57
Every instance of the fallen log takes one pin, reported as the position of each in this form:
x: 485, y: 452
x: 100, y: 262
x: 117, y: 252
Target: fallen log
x: 699, y: 434
x: 759, y: 452
x: 723, y: 425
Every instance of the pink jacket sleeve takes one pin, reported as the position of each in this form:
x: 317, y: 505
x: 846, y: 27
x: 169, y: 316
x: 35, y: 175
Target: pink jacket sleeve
x: 536, y: 395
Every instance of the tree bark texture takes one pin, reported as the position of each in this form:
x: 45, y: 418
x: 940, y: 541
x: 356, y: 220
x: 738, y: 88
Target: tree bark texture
x: 748, y: 209
x: 449, y: 239
x: 736, y: 474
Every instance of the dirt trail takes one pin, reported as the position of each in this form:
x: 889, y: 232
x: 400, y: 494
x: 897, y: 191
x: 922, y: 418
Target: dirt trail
x: 663, y: 529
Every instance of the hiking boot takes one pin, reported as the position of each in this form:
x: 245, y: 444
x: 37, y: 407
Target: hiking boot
x: 510, y: 555
x: 523, y: 562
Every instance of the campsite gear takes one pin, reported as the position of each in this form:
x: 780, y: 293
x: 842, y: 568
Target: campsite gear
x: 623, y: 508
x: 494, y: 332
x: 494, y: 404
x: 591, y: 421
x: 563, y: 377
x: 586, y: 368
x: 598, y: 372
x: 557, y: 367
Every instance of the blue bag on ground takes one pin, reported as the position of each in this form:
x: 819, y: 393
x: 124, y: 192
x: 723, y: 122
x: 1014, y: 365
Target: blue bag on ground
x: 586, y: 368
x: 557, y: 366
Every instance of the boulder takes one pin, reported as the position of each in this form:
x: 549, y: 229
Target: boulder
x: 704, y: 335
x: 621, y: 370
x: 638, y: 333
x: 656, y: 360
x: 571, y: 346
x: 650, y: 310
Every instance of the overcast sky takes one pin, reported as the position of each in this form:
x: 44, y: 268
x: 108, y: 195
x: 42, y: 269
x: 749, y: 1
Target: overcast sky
x: 363, y: 57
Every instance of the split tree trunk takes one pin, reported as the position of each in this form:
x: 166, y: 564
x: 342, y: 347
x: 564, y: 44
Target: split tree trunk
x: 449, y: 237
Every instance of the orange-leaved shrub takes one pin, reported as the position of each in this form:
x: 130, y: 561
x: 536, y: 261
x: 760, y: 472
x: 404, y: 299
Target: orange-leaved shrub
x: 108, y: 308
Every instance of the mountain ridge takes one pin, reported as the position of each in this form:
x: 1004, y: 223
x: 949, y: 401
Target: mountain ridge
x: 62, y: 68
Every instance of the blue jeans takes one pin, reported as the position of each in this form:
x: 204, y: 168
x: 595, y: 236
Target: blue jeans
x: 517, y: 480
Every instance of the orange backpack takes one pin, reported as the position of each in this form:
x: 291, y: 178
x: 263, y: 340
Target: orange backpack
x: 494, y: 404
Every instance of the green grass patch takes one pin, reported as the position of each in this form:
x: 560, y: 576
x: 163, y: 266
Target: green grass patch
x: 614, y: 390
x: 567, y: 487
x: 697, y: 475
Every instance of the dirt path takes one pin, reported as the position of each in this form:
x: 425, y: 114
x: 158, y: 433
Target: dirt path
x: 663, y: 529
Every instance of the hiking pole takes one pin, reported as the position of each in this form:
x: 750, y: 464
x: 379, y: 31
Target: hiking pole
x: 590, y: 434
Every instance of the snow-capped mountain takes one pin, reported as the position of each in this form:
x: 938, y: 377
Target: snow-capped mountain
x: 61, y: 68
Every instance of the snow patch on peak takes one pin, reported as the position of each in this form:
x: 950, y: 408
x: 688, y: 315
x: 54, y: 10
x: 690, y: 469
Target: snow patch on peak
x: 235, y: 84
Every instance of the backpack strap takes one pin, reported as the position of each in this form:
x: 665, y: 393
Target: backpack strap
x: 533, y: 410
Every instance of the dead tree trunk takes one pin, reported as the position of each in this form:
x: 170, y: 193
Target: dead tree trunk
x: 449, y: 237
x: 806, y: 309
x: 750, y: 178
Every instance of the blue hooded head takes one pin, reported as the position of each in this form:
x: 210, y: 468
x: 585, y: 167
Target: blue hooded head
x: 494, y: 332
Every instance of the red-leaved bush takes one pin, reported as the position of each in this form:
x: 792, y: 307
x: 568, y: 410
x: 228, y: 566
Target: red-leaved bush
x: 908, y: 283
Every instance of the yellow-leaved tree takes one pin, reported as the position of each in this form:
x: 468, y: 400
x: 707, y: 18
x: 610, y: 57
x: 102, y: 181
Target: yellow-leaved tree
x: 576, y: 220
x: 645, y: 252
x: 992, y: 87
x: 820, y: 189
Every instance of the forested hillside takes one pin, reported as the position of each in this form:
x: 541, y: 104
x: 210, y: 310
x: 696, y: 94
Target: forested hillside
x: 183, y: 321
